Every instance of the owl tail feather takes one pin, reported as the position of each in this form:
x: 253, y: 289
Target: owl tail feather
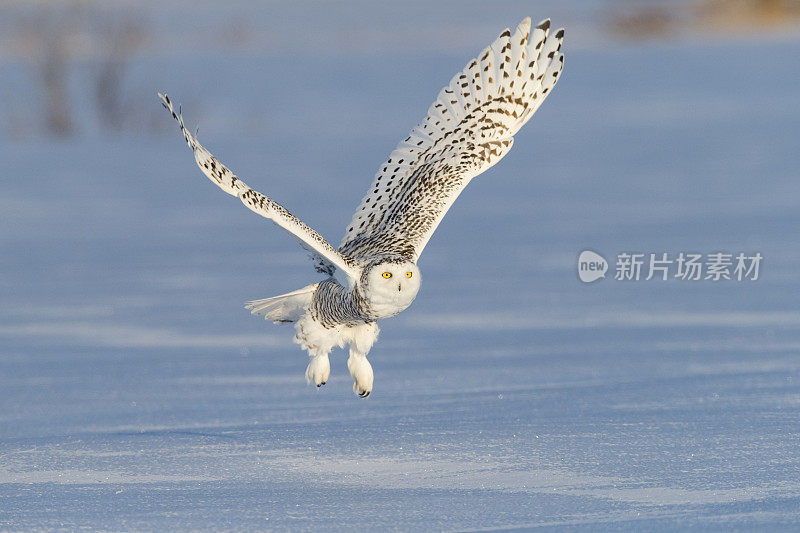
x: 287, y: 307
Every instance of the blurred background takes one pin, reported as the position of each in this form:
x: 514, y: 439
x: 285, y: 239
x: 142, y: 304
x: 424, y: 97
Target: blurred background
x: 136, y: 393
x: 83, y: 68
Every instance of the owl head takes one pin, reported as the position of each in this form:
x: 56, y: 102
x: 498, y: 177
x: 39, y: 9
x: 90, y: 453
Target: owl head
x: 390, y: 286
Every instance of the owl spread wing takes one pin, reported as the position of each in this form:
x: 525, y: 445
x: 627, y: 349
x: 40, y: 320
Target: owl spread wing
x: 468, y: 129
x: 327, y: 258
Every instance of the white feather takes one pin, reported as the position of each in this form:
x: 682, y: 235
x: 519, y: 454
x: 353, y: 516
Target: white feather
x: 260, y: 203
x: 469, y: 128
x: 373, y: 275
x: 287, y: 307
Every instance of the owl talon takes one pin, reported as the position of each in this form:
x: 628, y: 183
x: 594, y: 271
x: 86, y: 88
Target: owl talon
x: 361, y: 371
x: 319, y: 368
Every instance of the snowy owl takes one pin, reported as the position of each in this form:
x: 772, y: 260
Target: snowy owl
x: 374, y: 274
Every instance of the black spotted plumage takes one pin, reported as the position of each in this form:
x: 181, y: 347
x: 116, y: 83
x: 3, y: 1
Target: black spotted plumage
x: 469, y: 128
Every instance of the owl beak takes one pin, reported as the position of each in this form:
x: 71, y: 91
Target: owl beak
x: 399, y: 286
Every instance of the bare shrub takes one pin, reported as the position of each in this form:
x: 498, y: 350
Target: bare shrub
x: 45, y: 40
x: 118, y: 38
x: 724, y: 17
x: 748, y: 15
x: 56, y: 41
x: 643, y: 22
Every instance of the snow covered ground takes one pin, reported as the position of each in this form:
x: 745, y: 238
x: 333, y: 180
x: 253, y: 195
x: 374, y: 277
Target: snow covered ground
x: 137, y: 393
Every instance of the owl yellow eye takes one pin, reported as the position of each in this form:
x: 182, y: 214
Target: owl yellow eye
x: 408, y: 274
x: 387, y: 275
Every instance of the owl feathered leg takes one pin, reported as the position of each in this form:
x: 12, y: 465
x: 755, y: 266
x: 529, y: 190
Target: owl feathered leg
x: 318, y: 340
x: 362, y: 337
x: 318, y: 370
x: 361, y: 371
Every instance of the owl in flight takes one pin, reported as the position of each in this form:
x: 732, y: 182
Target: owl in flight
x: 374, y: 274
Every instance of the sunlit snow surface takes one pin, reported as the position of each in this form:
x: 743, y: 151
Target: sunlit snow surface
x: 137, y: 393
